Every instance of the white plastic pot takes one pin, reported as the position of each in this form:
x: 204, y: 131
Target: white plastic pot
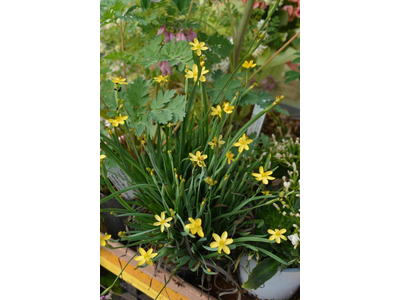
x: 281, y: 286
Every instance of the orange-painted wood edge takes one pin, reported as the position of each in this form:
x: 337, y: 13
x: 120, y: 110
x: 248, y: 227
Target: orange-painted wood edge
x: 140, y: 278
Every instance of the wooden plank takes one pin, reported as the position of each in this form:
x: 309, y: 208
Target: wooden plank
x: 140, y: 278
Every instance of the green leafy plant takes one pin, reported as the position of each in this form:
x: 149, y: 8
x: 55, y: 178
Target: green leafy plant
x: 292, y: 75
x: 283, y: 215
x: 176, y: 137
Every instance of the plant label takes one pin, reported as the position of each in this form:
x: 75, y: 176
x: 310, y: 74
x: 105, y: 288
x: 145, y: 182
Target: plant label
x: 256, y: 127
x: 120, y: 181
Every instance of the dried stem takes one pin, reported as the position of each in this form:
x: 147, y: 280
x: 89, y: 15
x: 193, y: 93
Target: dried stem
x: 276, y: 53
x: 190, y: 10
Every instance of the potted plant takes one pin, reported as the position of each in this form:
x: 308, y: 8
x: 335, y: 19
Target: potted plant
x: 261, y: 275
x: 174, y: 141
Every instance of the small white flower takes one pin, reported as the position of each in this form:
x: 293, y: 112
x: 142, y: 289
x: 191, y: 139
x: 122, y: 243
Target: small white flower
x: 294, y: 238
x: 298, y: 215
x: 259, y: 24
x: 107, y: 124
x: 278, y: 156
x: 276, y: 206
x: 286, y: 184
x: 294, y: 166
x: 284, y: 213
x: 294, y: 225
x: 292, y: 214
x: 223, y: 66
x: 259, y: 51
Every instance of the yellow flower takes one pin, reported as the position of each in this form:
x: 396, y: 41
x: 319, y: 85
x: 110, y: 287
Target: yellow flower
x: 264, y: 176
x: 121, y: 234
x: 249, y: 64
x: 216, y: 111
x: 198, y: 158
x: 229, y: 156
x: 266, y: 193
x: 210, y: 181
x: 118, y: 120
x: 243, y: 143
x: 172, y: 212
x: 146, y: 257
x: 103, y: 240
x: 161, y: 78
x: 277, y: 235
x: 162, y: 221
x: 216, y: 142
x: 195, y: 72
x: 228, y: 108
x: 195, y: 227
x: 221, y: 242
x: 226, y: 177
x: 198, y: 46
x: 119, y: 80
x: 102, y: 157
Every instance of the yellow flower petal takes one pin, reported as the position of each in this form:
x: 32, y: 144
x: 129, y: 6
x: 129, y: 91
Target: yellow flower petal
x: 216, y: 237
x: 228, y: 241
x: 200, y: 232
x: 226, y: 250
x: 214, y: 245
x: 224, y: 236
x: 142, y: 251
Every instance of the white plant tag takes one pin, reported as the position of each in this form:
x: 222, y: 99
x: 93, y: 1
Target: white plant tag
x: 257, y: 125
x: 120, y: 181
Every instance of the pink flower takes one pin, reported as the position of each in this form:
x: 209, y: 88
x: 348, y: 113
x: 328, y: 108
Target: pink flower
x: 258, y: 4
x: 191, y: 35
x: 168, y: 36
x: 297, y: 12
x: 165, y: 68
x: 161, y: 30
x: 180, y: 37
x: 289, y: 10
x: 294, y: 67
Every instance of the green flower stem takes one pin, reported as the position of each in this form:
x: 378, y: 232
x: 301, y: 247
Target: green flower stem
x: 233, y: 25
x: 245, y: 127
x: 186, y: 119
x: 242, y: 28
x: 119, y: 199
x: 119, y: 147
x: 105, y: 199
